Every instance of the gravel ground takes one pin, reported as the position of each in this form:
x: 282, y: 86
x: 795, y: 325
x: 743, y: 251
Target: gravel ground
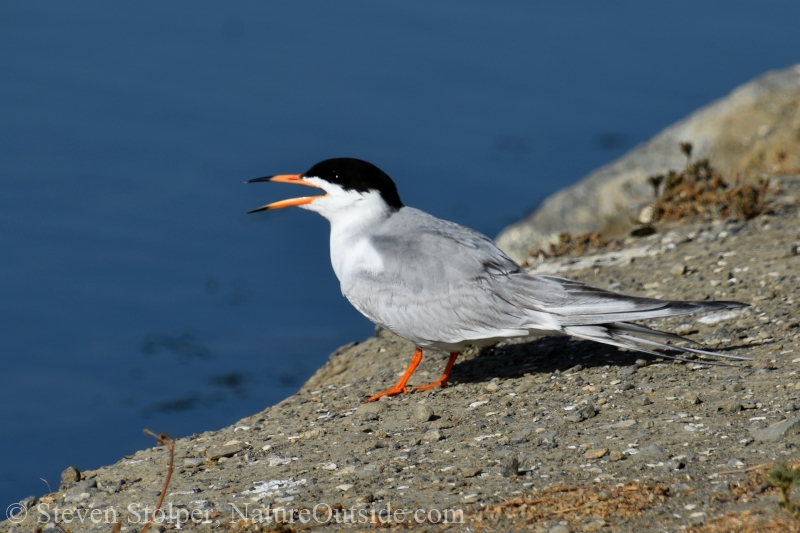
x: 549, y: 434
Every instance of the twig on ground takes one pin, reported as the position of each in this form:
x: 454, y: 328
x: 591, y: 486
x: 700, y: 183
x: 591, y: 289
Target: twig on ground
x: 743, y: 470
x: 169, y: 442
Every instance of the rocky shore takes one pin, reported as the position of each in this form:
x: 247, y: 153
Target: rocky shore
x: 551, y: 434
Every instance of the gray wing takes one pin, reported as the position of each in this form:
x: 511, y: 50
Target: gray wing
x: 439, y: 283
x: 445, y: 283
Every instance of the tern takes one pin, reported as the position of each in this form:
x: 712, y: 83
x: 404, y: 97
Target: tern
x: 444, y: 286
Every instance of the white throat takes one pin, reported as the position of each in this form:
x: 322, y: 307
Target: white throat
x: 354, y: 216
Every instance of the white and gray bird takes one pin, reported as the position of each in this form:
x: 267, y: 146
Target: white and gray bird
x: 443, y: 286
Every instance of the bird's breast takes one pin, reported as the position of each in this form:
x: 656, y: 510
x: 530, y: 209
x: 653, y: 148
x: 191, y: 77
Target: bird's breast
x: 353, y: 257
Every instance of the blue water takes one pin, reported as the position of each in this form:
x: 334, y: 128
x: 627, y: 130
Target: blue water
x: 136, y: 293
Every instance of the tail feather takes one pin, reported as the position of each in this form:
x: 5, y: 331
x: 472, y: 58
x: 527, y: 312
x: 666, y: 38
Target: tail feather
x: 682, y: 348
x: 619, y: 334
x: 627, y: 327
x: 578, y: 304
x: 605, y: 316
x: 575, y: 316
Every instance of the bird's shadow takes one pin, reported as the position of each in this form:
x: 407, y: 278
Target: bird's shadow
x: 544, y: 356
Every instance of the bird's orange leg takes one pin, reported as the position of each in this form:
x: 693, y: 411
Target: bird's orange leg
x: 442, y: 381
x: 400, y: 386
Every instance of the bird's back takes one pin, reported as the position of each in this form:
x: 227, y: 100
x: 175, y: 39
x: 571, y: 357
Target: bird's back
x: 441, y: 283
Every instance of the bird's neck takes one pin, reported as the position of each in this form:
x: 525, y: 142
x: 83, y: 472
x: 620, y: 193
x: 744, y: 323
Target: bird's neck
x: 351, y: 249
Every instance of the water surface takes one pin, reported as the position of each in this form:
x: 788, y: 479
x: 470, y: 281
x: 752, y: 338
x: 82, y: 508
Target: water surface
x: 136, y: 293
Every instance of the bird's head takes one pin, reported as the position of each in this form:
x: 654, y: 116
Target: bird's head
x: 349, y: 184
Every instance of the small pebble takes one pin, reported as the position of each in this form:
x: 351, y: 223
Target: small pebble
x: 653, y: 450
x: 510, y: 467
x: 77, y: 498
x: 218, y: 452
x: 596, y: 453
x: 616, y: 456
x: 692, y: 397
x: 698, y: 517
x: 470, y: 472
x: 734, y: 463
x: 524, y: 387
x: 644, y: 399
x: 313, y: 433
x: 69, y: 476
x: 684, y: 329
x: 678, y: 270
x: 560, y: 528
x: 422, y: 413
x: 372, y: 407
x: 582, y: 413
x: 433, y: 435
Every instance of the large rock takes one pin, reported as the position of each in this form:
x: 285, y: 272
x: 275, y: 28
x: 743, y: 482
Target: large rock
x: 778, y: 431
x: 754, y: 130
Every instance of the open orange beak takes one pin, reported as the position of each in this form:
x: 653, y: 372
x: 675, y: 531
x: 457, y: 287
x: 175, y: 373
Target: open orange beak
x: 297, y: 179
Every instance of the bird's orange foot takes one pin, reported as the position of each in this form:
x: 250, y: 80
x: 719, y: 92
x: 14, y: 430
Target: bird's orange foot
x: 442, y: 381
x: 394, y: 391
x: 438, y: 383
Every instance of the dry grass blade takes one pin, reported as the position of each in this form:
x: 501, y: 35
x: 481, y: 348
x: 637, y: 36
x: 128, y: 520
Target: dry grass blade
x: 579, y: 244
x: 700, y: 192
x: 575, y: 504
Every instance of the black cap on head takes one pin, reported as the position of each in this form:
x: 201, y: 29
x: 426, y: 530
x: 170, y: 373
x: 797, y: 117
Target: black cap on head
x: 357, y: 175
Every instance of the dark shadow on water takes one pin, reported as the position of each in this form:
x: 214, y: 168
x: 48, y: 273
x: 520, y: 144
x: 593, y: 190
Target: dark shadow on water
x: 193, y: 400
x: 185, y: 346
x: 232, y: 381
x: 610, y: 141
x: 176, y: 405
x: 229, y: 382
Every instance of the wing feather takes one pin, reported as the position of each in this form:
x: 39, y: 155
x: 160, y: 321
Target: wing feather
x: 443, y: 284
